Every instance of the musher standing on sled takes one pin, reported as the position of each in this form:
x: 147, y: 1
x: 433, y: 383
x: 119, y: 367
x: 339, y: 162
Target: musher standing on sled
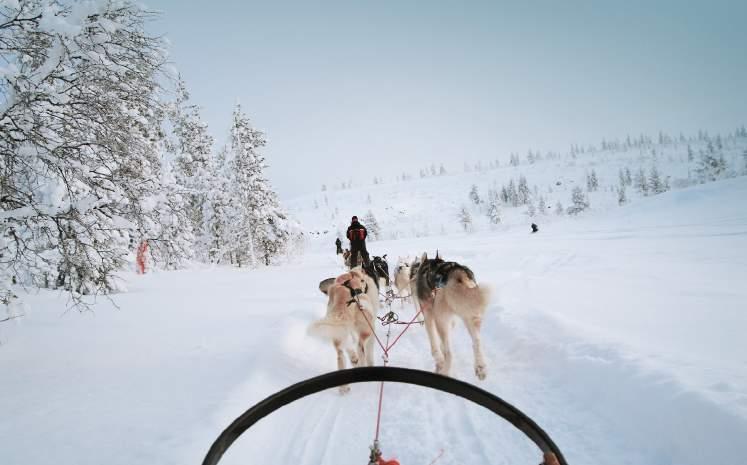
x: 357, y: 234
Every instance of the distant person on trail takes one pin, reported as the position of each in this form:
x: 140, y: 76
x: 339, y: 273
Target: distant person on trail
x: 535, y: 228
x: 357, y: 234
x: 338, y: 243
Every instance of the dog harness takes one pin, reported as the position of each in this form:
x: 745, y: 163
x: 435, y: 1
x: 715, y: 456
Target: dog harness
x: 354, y: 293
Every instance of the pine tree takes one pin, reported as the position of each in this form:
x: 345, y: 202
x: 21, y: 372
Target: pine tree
x: 655, y: 184
x: 531, y: 210
x: 559, y: 209
x: 542, y: 207
x: 711, y: 166
x: 523, y: 191
x: 465, y: 219
x: 474, y: 196
x: 494, y: 210
x: 191, y: 147
x: 442, y: 171
x: 261, y: 228
x: 628, y: 177
x: 374, y: 231
x: 513, y: 195
x: 622, y: 197
x: 593, y: 181
x: 579, y: 200
x: 641, y: 183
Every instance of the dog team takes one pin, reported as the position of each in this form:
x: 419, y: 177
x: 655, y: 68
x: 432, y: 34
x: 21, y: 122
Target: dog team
x: 442, y: 290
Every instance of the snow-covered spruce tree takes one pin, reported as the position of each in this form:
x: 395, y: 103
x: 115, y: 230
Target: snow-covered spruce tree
x: 374, y: 230
x: 513, y: 195
x: 474, y: 196
x: 465, y: 219
x: 523, y: 191
x: 260, y: 230
x: 494, y: 209
x: 189, y: 146
x: 218, y: 209
x: 531, y: 210
x: 641, y: 183
x: 655, y: 184
x: 592, y: 182
x: 711, y: 165
x: 80, y: 140
x: 579, y: 200
x: 622, y: 197
x: 542, y: 206
x: 628, y: 177
x: 442, y: 171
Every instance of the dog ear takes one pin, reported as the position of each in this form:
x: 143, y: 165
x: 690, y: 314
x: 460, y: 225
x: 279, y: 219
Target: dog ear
x: 437, y: 257
x: 343, y: 277
x: 384, y: 256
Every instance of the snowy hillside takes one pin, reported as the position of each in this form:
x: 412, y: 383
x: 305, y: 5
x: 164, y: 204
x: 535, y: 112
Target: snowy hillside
x: 431, y: 205
x: 620, y: 333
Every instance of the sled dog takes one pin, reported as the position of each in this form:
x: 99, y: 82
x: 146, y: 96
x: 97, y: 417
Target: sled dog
x: 349, y: 305
x: 443, y: 290
x: 382, y: 269
x: 402, y: 277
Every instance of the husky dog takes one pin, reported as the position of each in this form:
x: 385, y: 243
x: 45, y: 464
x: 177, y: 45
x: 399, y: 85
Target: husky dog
x: 402, y: 277
x: 443, y: 290
x: 382, y: 269
x: 348, y: 308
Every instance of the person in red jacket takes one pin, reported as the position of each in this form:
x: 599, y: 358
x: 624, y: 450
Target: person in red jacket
x: 357, y: 234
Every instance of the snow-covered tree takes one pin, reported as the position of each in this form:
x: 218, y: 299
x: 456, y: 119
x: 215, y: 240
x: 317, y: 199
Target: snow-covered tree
x: 531, y: 210
x: 374, y: 230
x: 80, y: 123
x: 628, y: 177
x: 465, y: 219
x: 474, y: 196
x: 641, y: 183
x: 442, y: 171
x: 190, y: 146
x: 655, y: 184
x: 260, y: 229
x: 592, y: 183
x: 523, y: 191
x: 622, y: 197
x: 542, y: 206
x: 513, y: 195
x: 494, y: 209
x: 711, y: 165
x: 579, y: 201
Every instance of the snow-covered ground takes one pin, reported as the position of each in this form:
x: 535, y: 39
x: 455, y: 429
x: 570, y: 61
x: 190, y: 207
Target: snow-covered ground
x: 621, y: 333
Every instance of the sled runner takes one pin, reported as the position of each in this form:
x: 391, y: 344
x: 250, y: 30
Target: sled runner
x: 389, y: 374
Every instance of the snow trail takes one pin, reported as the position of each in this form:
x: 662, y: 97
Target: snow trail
x: 619, y: 335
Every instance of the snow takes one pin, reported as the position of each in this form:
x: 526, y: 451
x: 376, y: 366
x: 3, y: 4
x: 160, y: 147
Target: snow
x: 621, y: 333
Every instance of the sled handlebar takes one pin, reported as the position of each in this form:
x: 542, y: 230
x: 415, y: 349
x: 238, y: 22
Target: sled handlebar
x: 552, y: 455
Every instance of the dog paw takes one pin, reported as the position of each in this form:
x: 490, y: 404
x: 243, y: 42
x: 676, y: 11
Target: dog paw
x: 481, y: 372
x: 344, y: 390
x: 441, y: 368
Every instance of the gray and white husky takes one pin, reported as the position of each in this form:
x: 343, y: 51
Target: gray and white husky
x: 443, y: 290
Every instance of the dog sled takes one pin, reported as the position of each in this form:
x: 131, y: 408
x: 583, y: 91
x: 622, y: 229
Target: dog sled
x: 548, y: 450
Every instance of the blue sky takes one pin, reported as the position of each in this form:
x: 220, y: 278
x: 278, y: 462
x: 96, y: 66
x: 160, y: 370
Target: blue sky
x: 353, y: 89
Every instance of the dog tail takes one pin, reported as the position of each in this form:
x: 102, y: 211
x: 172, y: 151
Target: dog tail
x: 332, y: 330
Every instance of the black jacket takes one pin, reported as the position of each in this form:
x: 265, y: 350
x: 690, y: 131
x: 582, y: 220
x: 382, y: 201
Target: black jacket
x: 354, y: 233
